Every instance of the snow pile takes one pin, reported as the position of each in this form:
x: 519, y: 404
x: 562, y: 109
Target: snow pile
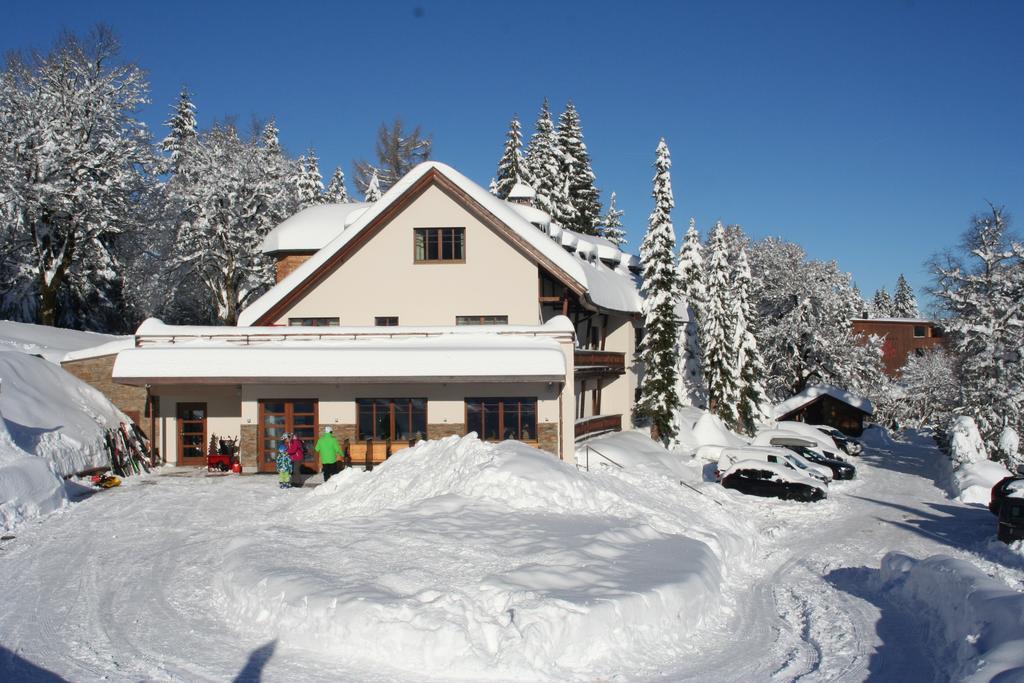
x: 973, y: 474
x: 52, y: 343
x: 633, y: 450
x: 29, y: 487
x: 54, y: 415
x: 459, y: 559
x: 975, y: 623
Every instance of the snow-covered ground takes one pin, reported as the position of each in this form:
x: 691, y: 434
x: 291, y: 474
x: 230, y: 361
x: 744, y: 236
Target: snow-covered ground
x: 460, y: 560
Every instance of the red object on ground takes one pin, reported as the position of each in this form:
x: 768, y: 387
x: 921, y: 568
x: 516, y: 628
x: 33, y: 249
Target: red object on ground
x: 218, y: 462
x: 236, y: 468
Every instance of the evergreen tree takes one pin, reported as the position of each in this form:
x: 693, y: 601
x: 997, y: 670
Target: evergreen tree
x: 271, y: 141
x: 658, y: 352
x: 309, y: 184
x: 718, y: 327
x: 904, y: 303
x: 182, y: 133
x: 612, y: 221
x: 373, y: 192
x: 575, y: 168
x: 984, y: 297
x: 512, y: 166
x: 753, y: 400
x: 493, y: 187
x: 692, y: 297
x: 542, y: 161
x: 336, y: 192
x: 881, y: 304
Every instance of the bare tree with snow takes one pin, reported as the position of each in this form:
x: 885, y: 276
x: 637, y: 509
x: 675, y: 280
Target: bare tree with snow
x: 398, y: 151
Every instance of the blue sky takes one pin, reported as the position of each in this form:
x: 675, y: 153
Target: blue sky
x: 867, y: 132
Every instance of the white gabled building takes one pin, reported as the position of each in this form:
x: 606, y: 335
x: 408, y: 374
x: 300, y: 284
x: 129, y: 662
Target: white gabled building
x: 439, y: 309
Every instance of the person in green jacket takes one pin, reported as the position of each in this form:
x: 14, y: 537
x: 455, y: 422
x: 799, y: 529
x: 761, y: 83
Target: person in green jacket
x: 329, y: 449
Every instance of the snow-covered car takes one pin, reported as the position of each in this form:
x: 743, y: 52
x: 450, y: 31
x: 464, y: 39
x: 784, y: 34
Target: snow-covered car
x: 757, y: 478
x: 813, y: 439
x: 826, y: 441
x: 1011, y: 519
x: 1004, y: 488
x: 840, y: 468
x: 770, y: 454
x: 849, y: 445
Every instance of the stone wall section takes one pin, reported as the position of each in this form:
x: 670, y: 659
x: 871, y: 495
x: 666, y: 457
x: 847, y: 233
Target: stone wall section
x: 248, y: 453
x: 98, y: 373
x: 548, y: 437
x: 440, y: 431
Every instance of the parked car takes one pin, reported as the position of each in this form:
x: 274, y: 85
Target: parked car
x: 849, y: 444
x: 840, y: 468
x: 831, y: 438
x: 818, y: 442
x: 757, y: 478
x: 1011, y: 519
x: 770, y: 454
x: 1004, y: 488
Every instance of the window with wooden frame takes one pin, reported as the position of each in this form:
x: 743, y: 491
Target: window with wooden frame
x: 313, y: 322
x: 191, y: 431
x: 439, y: 245
x: 397, y: 419
x: 481, y: 320
x: 386, y: 321
x: 497, y: 419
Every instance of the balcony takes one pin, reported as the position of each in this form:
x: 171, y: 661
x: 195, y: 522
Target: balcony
x: 598, y: 424
x: 599, y: 363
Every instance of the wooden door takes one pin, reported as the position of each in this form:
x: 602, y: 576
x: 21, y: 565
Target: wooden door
x: 192, y: 437
x: 293, y: 415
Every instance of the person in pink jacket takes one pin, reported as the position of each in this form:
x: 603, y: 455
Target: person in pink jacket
x: 295, y: 452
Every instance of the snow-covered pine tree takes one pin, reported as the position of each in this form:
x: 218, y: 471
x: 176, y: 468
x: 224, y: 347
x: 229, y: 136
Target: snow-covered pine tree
x: 512, y: 166
x: 373, y: 192
x: 904, y: 303
x: 75, y: 162
x: 542, y: 161
x: 881, y: 304
x: 271, y: 138
x: 753, y: 400
x: 575, y: 167
x: 692, y: 295
x: 718, y: 332
x: 658, y: 348
x: 309, y: 184
x: 336, y: 192
x: 492, y: 187
x: 612, y: 222
x: 182, y: 133
x: 983, y: 294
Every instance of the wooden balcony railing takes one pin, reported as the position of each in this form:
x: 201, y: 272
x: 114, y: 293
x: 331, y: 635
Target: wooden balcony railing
x: 598, y: 424
x: 599, y: 362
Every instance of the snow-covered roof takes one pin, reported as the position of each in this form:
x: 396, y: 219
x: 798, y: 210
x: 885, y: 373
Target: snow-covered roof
x: 908, y: 321
x: 345, y: 354
x: 108, y: 349
x: 447, y: 358
x: 532, y: 214
x: 312, y: 228
x: 614, y: 290
x: 521, y: 191
x: 812, y: 393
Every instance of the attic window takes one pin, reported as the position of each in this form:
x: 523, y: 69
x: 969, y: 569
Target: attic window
x: 440, y: 245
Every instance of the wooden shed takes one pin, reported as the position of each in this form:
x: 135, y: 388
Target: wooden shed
x: 824, y: 404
